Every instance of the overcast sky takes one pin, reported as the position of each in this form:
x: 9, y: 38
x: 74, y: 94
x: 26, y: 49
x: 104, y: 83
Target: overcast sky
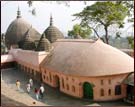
x: 62, y: 15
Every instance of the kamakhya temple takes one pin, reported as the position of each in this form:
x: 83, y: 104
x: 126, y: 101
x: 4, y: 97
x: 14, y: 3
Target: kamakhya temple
x: 82, y: 68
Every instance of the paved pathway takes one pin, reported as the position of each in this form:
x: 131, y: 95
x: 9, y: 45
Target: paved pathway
x: 52, y: 96
x: 5, y: 101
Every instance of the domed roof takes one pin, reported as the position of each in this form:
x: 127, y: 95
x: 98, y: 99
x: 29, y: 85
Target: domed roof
x: 44, y: 44
x: 53, y: 33
x: 81, y: 57
x: 28, y: 43
x: 18, y: 29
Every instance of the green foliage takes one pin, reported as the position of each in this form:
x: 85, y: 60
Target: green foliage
x: 3, y: 48
x: 103, y: 13
x: 130, y: 6
x: 83, y: 31
x: 131, y: 41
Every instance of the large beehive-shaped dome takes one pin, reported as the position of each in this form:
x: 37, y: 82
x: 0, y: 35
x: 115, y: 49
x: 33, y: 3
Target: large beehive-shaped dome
x: 87, y: 58
x: 53, y: 33
x: 18, y: 30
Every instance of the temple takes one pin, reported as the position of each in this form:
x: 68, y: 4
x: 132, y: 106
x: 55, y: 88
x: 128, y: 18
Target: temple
x: 82, y: 68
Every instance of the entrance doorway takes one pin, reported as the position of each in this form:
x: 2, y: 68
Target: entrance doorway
x: 87, y: 90
x: 130, y: 93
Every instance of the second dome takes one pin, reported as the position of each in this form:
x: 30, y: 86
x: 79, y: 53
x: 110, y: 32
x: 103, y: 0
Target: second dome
x: 53, y: 33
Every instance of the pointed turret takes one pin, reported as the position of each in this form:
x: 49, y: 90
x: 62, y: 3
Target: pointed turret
x: 28, y: 43
x: 53, y: 33
x: 51, y: 20
x: 18, y: 13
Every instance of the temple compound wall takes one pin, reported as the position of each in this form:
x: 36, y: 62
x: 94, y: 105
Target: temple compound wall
x: 103, y: 88
x: 28, y: 61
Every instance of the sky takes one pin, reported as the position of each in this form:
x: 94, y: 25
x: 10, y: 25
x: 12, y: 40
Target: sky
x: 62, y: 15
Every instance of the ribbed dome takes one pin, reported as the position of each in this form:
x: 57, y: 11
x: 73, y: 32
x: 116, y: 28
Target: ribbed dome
x: 52, y: 33
x: 18, y: 29
x: 44, y: 44
x: 28, y: 43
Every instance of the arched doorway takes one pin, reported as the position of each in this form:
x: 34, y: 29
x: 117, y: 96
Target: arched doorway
x: 57, y: 80
x: 87, y: 90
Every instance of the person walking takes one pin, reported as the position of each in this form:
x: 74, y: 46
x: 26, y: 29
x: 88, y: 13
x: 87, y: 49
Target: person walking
x: 31, y: 82
x: 18, y: 85
x: 28, y: 88
x: 37, y: 93
x: 42, y: 91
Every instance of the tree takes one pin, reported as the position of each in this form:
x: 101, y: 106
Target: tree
x: 103, y: 14
x: 84, y: 32
x: 130, y: 6
x: 3, y: 45
x: 131, y: 41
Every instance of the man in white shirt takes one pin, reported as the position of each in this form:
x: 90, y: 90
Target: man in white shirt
x: 31, y: 82
x: 28, y: 88
x: 42, y: 91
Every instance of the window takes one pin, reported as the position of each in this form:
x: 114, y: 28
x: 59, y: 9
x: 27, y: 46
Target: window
x: 20, y: 66
x: 45, y: 71
x: 80, y: 84
x: 67, y: 87
x: 31, y: 71
x: 50, y: 77
x: 73, y: 88
x: 109, y: 92
x: 62, y: 82
x: 102, y: 92
x: 118, y: 90
x: 44, y: 77
x: 109, y: 81
x: 47, y: 78
x: 23, y: 68
x: 102, y: 82
x: 73, y: 80
x: 35, y: 73
x: 28, y: 69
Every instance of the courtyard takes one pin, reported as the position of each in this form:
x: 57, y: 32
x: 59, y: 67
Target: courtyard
x: 52, y: 97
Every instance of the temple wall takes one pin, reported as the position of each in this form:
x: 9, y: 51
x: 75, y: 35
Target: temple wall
x: 74, y: 85
x: 28, y: 61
